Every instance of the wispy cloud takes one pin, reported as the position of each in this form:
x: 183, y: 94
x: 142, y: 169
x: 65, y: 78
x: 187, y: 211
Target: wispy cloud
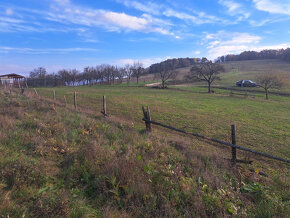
x: 4, y: 49
x: 197, y: 18
x: 273, y: 6
x: 223, y: 43
x: 69, y: 14
x: 112, y: 21
x: 235, y: 9
x: 187, y: 15
x: 148, y: 7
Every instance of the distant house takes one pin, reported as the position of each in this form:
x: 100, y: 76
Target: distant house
x: 11, y: 79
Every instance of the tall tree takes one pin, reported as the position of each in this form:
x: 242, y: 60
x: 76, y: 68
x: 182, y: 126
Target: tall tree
x: 206, y: 71
x: 138, y: 70
x: 128, y: 72
x: 269, y: 81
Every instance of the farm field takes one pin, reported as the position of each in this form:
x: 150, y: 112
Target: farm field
x: 80, y: 164
x: 263, y: 125
x: 237, y: 70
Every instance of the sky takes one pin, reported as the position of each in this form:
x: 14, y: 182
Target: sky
x: 58, y: 34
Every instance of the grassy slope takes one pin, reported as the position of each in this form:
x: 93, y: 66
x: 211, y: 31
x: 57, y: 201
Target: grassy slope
x: 263, y: 125
x: 56, y: 162
x: 237, y: 70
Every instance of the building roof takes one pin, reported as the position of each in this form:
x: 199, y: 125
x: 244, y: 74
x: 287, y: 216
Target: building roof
x: 13, y: 75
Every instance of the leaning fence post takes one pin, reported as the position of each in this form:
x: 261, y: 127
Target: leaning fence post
x: 234, y: 150
x: 75, y: 100
x: 104, y: 106
x: 36, y: 92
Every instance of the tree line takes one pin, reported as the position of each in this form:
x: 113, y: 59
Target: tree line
x: 280, y: 54
x: 100, y: 74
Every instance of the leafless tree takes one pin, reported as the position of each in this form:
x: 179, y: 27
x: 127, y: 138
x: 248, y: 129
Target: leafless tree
x: 128, y: 72
x: 206, y: 71
x: 38, y: 76
x: 269, y: 81
x: 165, y: 72
x: 73, y: 76
x: 138, y: 70
x: 64, y: 76
x: 120, y: 74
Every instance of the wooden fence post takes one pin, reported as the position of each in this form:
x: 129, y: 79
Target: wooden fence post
x: 234, y: 150
x: 147, y: 118
x: 65, y: 100
x: 54, y: 98
x: 36, y: 92
x: 75, y: 100
x: 104, y: 106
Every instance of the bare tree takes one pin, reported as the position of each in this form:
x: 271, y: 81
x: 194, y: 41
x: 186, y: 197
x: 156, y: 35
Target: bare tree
x: 165, y: 72
x: 138, y: 70
x: 128, y: 72
x: 38, y: 76
x: 120, y: 74
x: 205, y: 71
x: 269, y: 81
x: 64, y: 76
x: 73, y: 76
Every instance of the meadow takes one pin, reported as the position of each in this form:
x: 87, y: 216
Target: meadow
x: 56, y: 161
x: 261, y: 124
x: 238, y: 70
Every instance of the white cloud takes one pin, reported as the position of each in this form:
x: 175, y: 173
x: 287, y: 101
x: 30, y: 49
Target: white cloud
x: 223, y: 43
x: 112, y: 21
x: 197, y: 52
x: 4, y: 49
x: 234, y: 9
x: 149, y: 7
x: 273, y: 6
x: 231, y: 5
x: 196, y: 18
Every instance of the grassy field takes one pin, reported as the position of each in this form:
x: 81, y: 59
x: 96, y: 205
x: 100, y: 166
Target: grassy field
x: 263, y: 125
x: 237, y: 70
x: 58, y: 162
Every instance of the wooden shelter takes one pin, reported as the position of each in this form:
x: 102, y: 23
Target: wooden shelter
x: 12, y: 79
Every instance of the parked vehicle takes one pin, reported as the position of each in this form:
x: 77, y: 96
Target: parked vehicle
x: 246, y: 83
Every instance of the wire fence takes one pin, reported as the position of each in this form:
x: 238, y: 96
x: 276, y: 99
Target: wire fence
x: 106, y: 106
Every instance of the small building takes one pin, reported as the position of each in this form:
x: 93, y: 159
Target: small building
x: 12, y: 79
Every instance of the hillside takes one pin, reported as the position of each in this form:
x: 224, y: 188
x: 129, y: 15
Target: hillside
x: 58, y: 162
x: 237, y: 70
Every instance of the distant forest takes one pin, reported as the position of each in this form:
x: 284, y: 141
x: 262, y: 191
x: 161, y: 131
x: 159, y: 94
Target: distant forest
x: 174, y: 63
x: 281, y: 54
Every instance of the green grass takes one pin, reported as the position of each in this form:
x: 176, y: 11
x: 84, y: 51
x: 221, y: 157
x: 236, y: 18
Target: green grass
x: 58, y: 162
x: 238, y: 70
x: 263, y: 125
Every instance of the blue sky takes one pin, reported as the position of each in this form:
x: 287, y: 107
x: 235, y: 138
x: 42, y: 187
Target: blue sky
x: 59, y: 34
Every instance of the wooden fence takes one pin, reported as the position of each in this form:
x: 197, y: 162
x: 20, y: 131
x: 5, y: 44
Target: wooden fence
x: 148, y: 122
